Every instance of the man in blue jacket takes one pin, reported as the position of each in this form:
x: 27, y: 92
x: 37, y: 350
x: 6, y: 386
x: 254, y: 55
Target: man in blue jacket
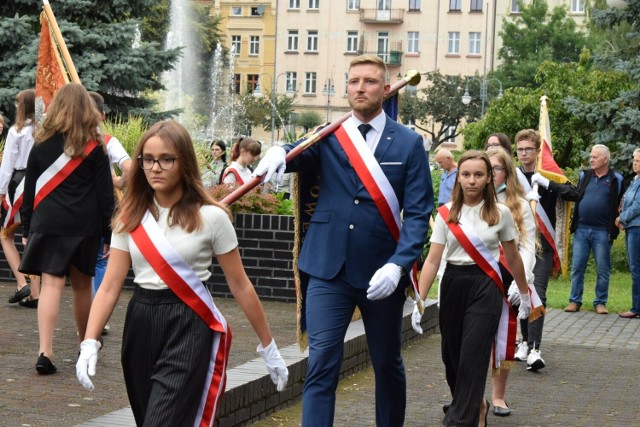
x: 367, y: 231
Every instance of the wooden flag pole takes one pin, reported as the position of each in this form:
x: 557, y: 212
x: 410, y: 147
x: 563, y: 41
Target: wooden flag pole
x: 60, y: 40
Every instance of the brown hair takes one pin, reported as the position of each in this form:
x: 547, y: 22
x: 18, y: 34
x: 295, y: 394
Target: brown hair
x: 98, y: 100
x: 73, y: 114
x: 529, y: 135
x: 139, y: 196
x: 503, y: 140
x: 25, y: 108
x: 489, y: 212
x: 246, y: 144
x: 373, y: 60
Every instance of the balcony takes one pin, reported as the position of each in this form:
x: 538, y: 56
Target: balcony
x: 376, y: 16
x: 391, y: 57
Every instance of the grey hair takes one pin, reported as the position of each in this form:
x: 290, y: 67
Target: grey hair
x: 636, y: 151
x: 604, y: 149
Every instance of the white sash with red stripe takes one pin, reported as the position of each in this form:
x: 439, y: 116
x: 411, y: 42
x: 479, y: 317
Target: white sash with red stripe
x: 376, y: 183
x: 183, y: 281
x: 505, y: 340
x: 58, y: 172
x: 544, y: 223
x: 13, y: 210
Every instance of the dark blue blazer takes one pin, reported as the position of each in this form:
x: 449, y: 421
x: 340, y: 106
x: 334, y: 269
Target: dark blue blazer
x: 346, y: 228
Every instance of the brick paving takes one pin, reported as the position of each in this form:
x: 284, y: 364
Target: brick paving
x: 591, y: 378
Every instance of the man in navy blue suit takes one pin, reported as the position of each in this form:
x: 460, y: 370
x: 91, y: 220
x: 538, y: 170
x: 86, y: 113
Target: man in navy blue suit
x: 367, y: 230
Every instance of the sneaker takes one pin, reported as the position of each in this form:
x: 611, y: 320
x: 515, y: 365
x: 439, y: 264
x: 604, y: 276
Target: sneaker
x: 522, y: 352
x: 535, y: 361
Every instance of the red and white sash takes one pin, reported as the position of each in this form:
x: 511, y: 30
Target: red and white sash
x: 231, y: 170
x: 544, y: 223
x: 505, y: 341
x: 58, y: 172
x: 183, y: 281
x: 13, y: 209
x: 376, y: 183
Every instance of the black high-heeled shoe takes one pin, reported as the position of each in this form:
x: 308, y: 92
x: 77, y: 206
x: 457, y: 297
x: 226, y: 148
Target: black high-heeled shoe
x: 44, y: 365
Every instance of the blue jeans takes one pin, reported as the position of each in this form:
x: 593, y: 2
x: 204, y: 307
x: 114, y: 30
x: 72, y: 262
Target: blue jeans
x: 586, y: 240
x: 632, y: 240
x: 101, y: 266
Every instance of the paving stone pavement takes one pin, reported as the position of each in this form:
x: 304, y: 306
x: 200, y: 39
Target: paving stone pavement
x: 591, y: 378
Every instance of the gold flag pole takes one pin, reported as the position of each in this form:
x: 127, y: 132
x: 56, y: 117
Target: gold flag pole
x: 60, y: 40
x: 533, y: 203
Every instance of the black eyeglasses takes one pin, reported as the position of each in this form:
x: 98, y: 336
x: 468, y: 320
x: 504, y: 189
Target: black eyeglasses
x: 493, y: 146
x: 527, y: 150
x: 148, y: 163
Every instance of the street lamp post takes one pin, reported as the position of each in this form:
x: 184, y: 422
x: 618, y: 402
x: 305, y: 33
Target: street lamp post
x: 329, y: 90
x: 484, y: 86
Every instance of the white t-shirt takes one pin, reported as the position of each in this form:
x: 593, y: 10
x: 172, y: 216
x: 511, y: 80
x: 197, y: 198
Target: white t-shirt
x: 16, y: 153
x: 243, y: 171
x: 117, y: 153
x: 491, y: 236
x: 527, y: 246
x: 216, y: 237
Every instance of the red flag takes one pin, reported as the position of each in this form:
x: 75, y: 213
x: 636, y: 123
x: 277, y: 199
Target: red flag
x: 50, y: 73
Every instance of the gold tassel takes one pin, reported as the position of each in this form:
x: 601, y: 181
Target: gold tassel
x: 9, y: 231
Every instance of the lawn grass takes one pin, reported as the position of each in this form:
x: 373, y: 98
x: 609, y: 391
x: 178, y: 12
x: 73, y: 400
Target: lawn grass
x: 559, y: 289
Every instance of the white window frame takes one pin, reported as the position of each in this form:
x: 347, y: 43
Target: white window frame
x: 291, y: 81
x: 515, y: 7
x: 382, y: 46
x: 236, y: 10
x: 475, y: 6
x: 352, y: 41
x: 414, y: 5
x: 314, y: 4
x: 577, y: 6
x: 353, y: 4
x: 383, y: 5
x: 310, y: 82
x: 455, y: 5
x: 292, y: 40
x: 312, y: 40
x: 254, y: 45
x: 413, y: 42
x: 236, y: 40
x: 294, y: 4
x: 475, y: 42
x: 453, y: 43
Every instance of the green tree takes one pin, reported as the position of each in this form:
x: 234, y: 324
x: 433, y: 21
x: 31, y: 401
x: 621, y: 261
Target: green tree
x: 438, y: 109
x: 535, y: 36
x: 308, y: 120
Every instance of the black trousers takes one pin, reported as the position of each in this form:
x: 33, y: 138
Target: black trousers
x: 166, y: 350
x: 470, y: 306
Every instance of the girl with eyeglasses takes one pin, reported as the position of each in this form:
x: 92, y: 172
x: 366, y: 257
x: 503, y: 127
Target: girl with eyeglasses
x: 175, y: 342
x: 68, y: 203
x: 12, y: 172
x: 244, y: 152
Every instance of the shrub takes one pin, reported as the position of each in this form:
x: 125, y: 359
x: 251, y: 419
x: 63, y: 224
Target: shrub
x: 255, y: 201
x: 129, y: 131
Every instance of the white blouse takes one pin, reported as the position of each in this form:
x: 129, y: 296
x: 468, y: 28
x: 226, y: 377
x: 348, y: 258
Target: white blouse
x: 16, y: 153
x: 243, y: 171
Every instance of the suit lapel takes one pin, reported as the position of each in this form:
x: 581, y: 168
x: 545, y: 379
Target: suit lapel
x: 386, y: 139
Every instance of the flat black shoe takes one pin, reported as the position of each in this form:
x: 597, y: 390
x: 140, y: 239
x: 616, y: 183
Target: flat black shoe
x: 29, y: 303
x: 446, y: 407
x: 20, y: 294
x: 501, y: 412
x: 44, y: 365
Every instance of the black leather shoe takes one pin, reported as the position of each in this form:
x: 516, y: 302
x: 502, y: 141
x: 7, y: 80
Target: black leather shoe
x: 44, y: 365
x: 29, y: 303
x: 501, y: 412
x: 446, y: 407
x: 20, y: 294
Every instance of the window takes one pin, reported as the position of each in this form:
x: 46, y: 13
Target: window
x: 353, y: 4
x: 312, y: 41
x: 294, y: 4
x: 256, y: 11
x: 384, y: 4
x: 454, y: 43
x: 236, y: 42
x: 577, y: 6
x: 474, y: 43
x: 352, y: 41
x: 413, y: 39
x: 236, y: 83
x: 383, y: 46
x: 292, y: 81
x: 292, y: 40
x: 455, y: 5
x: 236, y: 11
x: 310, y: 83
x: 414, y: 5
x: 314, y: 4
x: 254, y: 45
x: 476, y: 5
x: 252, y: 82
x: 515, y: 6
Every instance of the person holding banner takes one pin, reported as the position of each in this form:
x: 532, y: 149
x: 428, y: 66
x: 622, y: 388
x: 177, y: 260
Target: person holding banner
x: 359, y: 251
x: 68, y: 203
x: 12, y: 172
x: 472, y: 290
x: 528, y: 145
x: 175, y: 343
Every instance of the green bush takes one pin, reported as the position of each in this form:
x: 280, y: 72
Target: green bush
x: 255, y: 201
x: 129, y: 131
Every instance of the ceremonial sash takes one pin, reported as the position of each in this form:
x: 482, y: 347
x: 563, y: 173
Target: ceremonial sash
x: 59, y: 171
x: 13, y: 209
x: 544, y: 223
x: 376, y: 183
x: 239, y: 179
x: 183, y: 281
x: 505, y: 340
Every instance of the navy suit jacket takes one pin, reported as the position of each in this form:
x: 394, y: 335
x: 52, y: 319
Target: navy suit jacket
x: 346, y: 228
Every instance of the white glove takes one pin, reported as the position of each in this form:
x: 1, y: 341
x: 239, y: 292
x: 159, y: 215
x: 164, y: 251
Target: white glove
x: 86, y: 365
x: 533, y: 195
x: 416, y: 317
x: 384, y: 281
x: 275, y: 364
x: 536, y: 178
x: 525, y: 306
x: 272, y: 162
x: 513, y: 295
